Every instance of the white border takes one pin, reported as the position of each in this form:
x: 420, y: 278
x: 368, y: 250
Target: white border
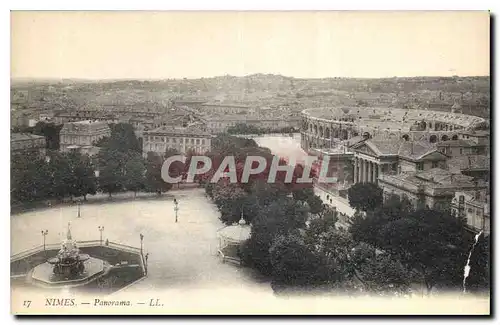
x: 182, y: 5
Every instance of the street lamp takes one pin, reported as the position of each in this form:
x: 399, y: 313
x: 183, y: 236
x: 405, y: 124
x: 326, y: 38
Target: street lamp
x: 176, y: 209
x: 141, y: 236
x: 44, y: 234
x: 78, y: 204
x: 101, y: 229
x: 147, y: 256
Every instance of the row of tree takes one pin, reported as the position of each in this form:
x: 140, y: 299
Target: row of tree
x: 242, y: 128
x: 119, y: 163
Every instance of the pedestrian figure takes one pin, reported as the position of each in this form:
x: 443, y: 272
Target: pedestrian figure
x: 107, y: 242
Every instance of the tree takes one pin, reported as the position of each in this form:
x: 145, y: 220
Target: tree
x: 365, y: 196
x: 229, y: 199
x: 61, y: 174
x: 431, y: 241
x: 51, y: 133
x: 278, y: 218
x: 112, y: 168
x: 302, y: 194
x: 315, y: 204
x: 479, y: 275
x: 84, y: 180
x: 154, y: 181
x: 135, y: 173
x: 123, y: 138
x: 333, y: 245
x: 384, y: 274
x: 30, y: 178
x: 295, y: 264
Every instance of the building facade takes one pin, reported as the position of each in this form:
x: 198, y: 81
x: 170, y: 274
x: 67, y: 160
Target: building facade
x: 220, y: 124
x: 181, y: 139
x: 475, y: 207
x: 374, y: 157
x: 26, y: 142
x: 82, y: 135
x: 434, y: 188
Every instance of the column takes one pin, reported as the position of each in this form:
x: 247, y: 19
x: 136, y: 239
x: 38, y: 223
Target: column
x: 369, y: 176
x: 361, y: 171
x: 355, y: 178
x: 365, y: 171
x: 372, y: 172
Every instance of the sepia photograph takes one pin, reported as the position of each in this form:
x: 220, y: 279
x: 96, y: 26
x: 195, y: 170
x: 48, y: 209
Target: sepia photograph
x: 250, y: 163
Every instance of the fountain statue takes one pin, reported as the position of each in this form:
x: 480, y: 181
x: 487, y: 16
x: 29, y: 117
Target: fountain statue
x: 69, y: 262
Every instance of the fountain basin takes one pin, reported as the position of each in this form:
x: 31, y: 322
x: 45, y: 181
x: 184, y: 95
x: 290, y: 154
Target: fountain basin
x: 43, y: 274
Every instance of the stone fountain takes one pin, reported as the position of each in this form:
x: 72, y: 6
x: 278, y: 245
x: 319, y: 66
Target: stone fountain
x: 69, y: 267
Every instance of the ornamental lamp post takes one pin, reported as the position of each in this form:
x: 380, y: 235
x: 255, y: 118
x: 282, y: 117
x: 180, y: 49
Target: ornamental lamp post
x: 101, y: 229
x: 176, y: 209
x: 44, y: 234
x: 147, y: 256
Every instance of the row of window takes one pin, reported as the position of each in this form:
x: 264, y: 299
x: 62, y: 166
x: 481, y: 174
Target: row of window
x: 420, y: 165
x: 174, y: 140
x: 77, y: 139
x: 157, y: 147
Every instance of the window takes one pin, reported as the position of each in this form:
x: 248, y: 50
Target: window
x: 174, y: 140
x: 435, y: 164
x: 192, y: 141
x: 202, y: 141
x: 197, y: 141
x: 420, y: 166
x: 461, y: 151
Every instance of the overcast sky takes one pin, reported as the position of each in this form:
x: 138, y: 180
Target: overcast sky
x: 98, y: 45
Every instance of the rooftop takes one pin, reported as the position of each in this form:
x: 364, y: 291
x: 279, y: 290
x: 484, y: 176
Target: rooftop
x: 408, y: 149
x: 476, y: 133
x: 166, y: 129
x: 457, y: 143
x: 24, y: 136
x: 366, y: 115
x: 471, y: 162
x: 434, y: 178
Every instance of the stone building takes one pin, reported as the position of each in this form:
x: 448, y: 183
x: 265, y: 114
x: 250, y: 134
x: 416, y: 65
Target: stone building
x: 476, y: 166
x: 475, y: 207
x: 27, y: 142
x: 220, y: 124
x: 434, y: 188
x: 374, y: 157
x: 462, y: 147
x: 82, y: 135
x: 178, y: 138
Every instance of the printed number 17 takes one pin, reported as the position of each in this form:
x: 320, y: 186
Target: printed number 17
x: 27, y: 303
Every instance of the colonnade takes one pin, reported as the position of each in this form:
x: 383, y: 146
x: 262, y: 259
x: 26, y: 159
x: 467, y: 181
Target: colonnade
x: 366, y: 171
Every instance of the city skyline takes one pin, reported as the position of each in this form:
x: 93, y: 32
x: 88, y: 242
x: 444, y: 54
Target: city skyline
x: 148, y: 45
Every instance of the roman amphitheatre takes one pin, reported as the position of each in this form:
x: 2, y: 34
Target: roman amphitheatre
x: 322, y: 127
